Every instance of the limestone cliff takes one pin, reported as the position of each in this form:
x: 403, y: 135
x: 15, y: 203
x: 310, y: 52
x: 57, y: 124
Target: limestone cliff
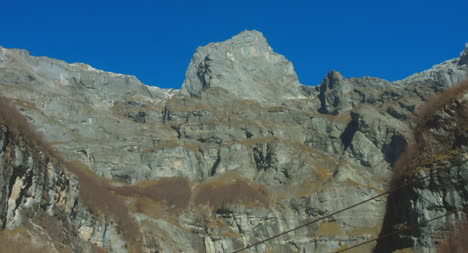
x: 39, y: 197
x: 437, y: 161
x: 243, y: 151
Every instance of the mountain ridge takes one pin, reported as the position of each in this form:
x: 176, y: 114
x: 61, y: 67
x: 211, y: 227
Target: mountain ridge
x: 298, y: 159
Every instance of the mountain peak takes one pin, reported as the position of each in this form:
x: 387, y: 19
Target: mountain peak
x: 253, y: 36
x: 246, y: 66
x: 447, y: 73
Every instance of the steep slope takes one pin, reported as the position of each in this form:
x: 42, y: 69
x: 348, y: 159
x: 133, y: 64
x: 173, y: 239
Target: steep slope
x: 439, y: 151
x: 91, y: 113
x: 40, y: 206
x: 240, y: 153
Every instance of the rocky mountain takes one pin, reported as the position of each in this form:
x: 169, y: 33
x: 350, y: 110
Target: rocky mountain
x: 241, y: 152
x: 246, y: 66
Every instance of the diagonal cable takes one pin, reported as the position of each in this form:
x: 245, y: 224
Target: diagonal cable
x: 334, y: 213
x: 399, y: 231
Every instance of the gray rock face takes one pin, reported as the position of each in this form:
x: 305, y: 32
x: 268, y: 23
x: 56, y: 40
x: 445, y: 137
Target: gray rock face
x: 440, y: 179
x: 241, y: 116
x: 246, y: 66
x: 39, y: 195
x: 95, y: 108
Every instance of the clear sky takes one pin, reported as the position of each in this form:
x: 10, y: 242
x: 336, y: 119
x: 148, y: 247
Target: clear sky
x: 155, y: 40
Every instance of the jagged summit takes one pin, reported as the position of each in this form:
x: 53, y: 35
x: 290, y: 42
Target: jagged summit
x: 464, y: 56
x: 246, y: 66
x: 447, y: 73
x: 249, y: 37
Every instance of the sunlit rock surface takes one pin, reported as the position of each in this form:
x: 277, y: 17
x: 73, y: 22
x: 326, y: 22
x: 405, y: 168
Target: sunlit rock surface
x: 241, y: 123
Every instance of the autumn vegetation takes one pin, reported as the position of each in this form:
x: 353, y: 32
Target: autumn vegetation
x: 456, y: 243
x: 21, y: 242
x: 15, y: 245
x: 19, y: 127
x: 174, y: 192
x: 106, y: 200
x: 96, y: 193
x: 225, y: 191
x: 440, y: 133
x: 436, y: 138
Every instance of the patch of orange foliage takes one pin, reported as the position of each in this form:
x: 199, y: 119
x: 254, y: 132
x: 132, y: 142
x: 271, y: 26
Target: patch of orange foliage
x: 456, y: 243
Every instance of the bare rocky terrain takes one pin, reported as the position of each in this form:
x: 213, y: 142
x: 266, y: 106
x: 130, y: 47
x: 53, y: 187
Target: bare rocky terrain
x: 241, y: 152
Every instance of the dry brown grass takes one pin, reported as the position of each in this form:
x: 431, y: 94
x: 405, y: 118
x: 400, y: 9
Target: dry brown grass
x: 329, y: 229
x: 373, y: 231
x: 102, y: 197
x: 406, y: 250
x: 19, y: 241
x: 456, y: 243
x: 226, y: 191
x: 173, y: 192
x: 97, y: 193
x: 437, y: 102
x: 20, y: 245
x: 429, y: 146
x: 19, y: 126
x: 97, y: 249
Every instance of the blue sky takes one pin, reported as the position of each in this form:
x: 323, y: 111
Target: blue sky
x: 155, y: 40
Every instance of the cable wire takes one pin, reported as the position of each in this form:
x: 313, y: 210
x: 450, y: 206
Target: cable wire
x: 398, y: 231
x: 334, y: 213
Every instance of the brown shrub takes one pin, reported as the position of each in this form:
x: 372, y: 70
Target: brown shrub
x: 430, y: 146
x: 11, y: 245
x: 438, y: 101
x: 97, y: 193
x: 19, y: 126
x: 14, y: 119
x: 19, y: 241
x: 97, y: 249
x: 220, y: 194
x: 55, y: 230
x: 456, y: 243
x: 174, y: 192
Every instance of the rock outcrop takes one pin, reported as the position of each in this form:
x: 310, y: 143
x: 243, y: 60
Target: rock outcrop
x: 435, y: 167
x: 246, y: 66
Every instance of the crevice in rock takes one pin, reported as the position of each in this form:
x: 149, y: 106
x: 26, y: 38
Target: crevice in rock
x: 348, y: 134
x: 321, y: 96
x: 177, y: 129
x: 263, y: 157
x: 203, y: 70
x: 166, y: 115
x: 394, y: 149
x: 248, y: 134
x: 138, y: 117
x: 215, y: 164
